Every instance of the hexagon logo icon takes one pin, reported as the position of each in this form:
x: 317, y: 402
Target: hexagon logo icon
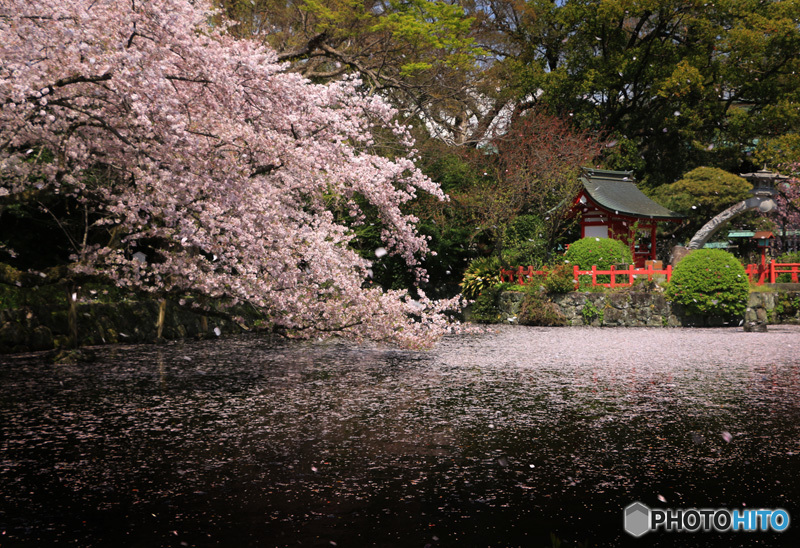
x: 637, y: 519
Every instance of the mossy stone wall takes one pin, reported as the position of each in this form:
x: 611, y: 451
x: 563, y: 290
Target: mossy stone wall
x: 651, y: 309
x: 45, y: 328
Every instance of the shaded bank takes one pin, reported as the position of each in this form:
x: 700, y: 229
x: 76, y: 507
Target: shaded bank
x: 47, y: 326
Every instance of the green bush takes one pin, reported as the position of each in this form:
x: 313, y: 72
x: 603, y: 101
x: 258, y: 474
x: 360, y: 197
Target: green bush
x: 710, y: 282
x: 524, y: 254
x: 482, y: 273
x: 537, y: 310
x: 484, y: 309
x: 523, y: 244
x: 600, y: 252
x: 590, y: 313
x: 787, y: 258
x: 560, y: 280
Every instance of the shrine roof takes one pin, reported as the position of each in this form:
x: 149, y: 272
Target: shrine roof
x: 616, y: 191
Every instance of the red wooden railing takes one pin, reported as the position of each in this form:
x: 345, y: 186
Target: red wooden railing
x: 522, y: 275
x: 757, y: 273
x: 768, y: 273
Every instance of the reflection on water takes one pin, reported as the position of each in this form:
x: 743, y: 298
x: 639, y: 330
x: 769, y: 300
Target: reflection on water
x: 498, y: 439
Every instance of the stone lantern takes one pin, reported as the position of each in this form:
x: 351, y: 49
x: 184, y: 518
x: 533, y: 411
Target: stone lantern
x: 763, y: 182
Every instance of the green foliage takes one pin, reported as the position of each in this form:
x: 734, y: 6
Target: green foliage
x: 786, y: 307
x: 524, y: 243
x: 779, y: 150
x: 560, y: 280
x: 600, y: 252
x: 55, y: 296
x: 481, y: 274
x: 537, y: 310
x: 670, y: 75
x: 17, y: 297
x: 701, y: 194
x: 710, y: 282
x: 484, y: 309
x: 508, y: 286
x: 430, y: 27
x: 787, y: 258
x: 704, y: 191
x: 590, y: 313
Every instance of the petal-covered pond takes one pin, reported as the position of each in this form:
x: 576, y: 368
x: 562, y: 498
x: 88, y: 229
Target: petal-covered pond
x: 497, y: 439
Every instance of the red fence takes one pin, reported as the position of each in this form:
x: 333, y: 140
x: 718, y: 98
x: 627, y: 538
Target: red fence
x: 758, y: 274
x: 768, y: 273
x: 524, y: 276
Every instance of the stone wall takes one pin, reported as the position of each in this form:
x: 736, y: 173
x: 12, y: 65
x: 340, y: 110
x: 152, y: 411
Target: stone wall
x: 44, y: 328
x: 773, y: 307
x: 651, y: 309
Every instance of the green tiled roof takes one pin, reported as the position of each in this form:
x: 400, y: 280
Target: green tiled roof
x: 617, y: 191
x: 741, y: 233
x: 751, y: 233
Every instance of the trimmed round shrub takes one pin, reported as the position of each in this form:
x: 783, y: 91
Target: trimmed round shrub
x: 710, y: 282
x: 602, y: 252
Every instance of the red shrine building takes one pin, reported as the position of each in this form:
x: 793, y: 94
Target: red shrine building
x: 610, y: 205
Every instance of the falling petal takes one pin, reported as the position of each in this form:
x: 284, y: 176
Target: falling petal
x: 727, y: 436
x: 380, y: 252
x: 661, y: 498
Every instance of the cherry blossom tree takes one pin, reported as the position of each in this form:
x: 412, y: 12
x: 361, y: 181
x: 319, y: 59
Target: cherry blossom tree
x: 787, y: 213
x: 201, y: 168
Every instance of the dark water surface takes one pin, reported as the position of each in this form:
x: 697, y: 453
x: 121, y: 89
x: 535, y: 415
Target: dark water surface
x: 488, y: 440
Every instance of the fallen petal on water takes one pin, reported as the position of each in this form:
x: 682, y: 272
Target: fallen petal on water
x: 727, y: 436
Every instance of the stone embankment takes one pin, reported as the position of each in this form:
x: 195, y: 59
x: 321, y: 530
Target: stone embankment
x: 44, y: 328
x: 651, y: 309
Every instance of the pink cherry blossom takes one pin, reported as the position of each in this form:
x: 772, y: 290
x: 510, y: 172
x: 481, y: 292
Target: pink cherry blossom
x: 174, y: 132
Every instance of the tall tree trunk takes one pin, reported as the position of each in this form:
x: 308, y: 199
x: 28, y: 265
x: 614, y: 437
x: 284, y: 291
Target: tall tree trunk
x: 162, y: 314
x: 72, y: 316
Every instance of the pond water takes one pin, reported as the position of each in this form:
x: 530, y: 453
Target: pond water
x: 496, y: 439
